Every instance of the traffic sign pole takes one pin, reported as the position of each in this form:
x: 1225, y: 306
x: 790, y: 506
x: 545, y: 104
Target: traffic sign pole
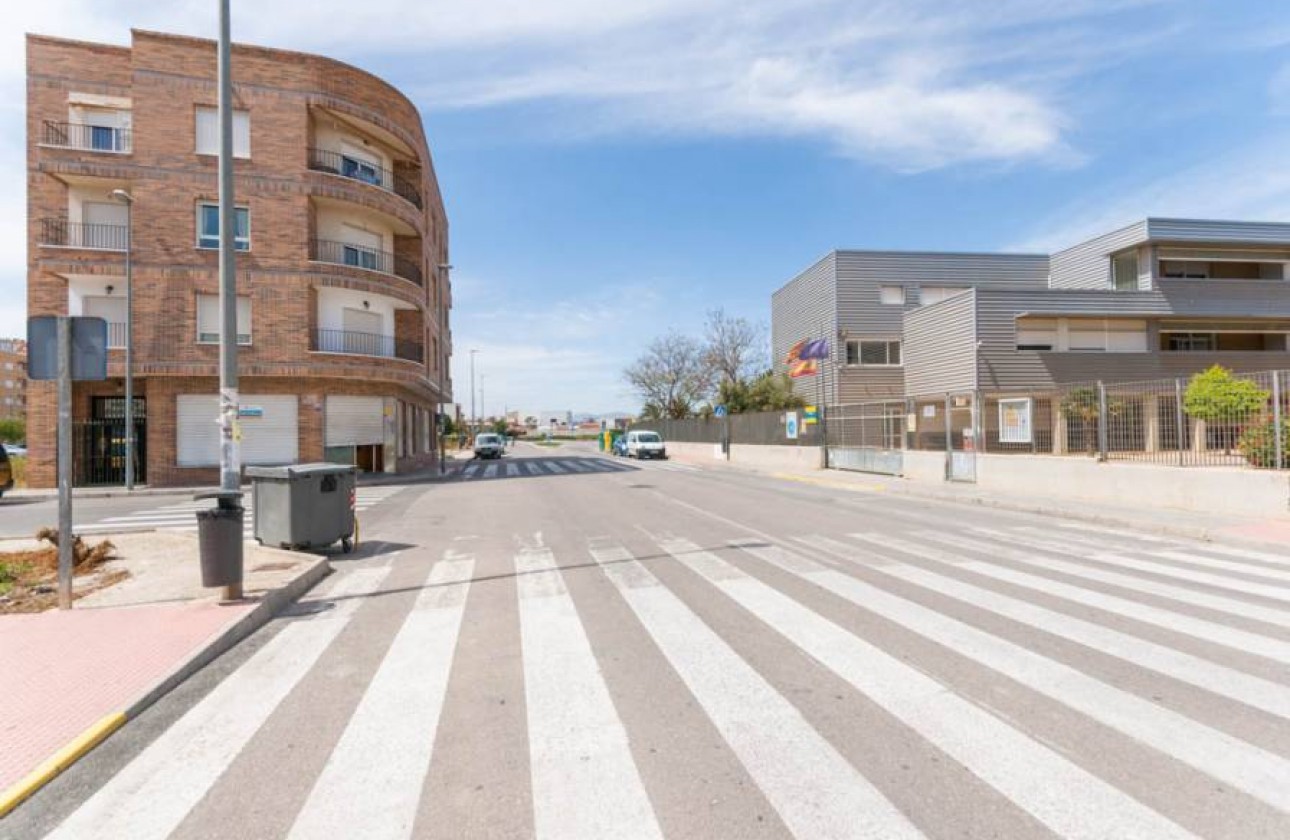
x: 64, y: 463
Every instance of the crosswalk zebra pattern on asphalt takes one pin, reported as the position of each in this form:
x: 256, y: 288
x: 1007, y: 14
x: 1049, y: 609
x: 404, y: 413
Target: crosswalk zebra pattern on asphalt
x: 537, y: 467
x: 182, y: 516
x: 1070, y: 683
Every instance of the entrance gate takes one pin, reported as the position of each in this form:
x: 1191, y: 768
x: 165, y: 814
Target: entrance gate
x: 961, y: 438
x: 867, y: 437
x: 99, y: 443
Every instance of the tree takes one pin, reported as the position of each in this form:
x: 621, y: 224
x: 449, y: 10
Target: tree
x: 1083, y: 405
x: 734, y: 348
x: 1216, y: 396
x: 767, y: 392
x: 500, y: 426
x: 672, y: 375
x: 13, y: 430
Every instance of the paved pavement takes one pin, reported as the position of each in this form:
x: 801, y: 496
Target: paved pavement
x: 621, y: 650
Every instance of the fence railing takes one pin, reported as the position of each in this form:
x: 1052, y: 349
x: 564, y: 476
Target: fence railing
x: 65, y: 234
x: 1232, y: 420
x: 762, y: 428
x: 325, y: 160
x: 92, y: 138
x: 366, y: 344
x: 360, y: 256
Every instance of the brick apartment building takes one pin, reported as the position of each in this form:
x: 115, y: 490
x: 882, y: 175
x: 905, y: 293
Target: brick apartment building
x: 342, y: 256
x: 13, y: 377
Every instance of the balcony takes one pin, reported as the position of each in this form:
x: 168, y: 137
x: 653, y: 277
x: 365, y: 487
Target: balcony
x: 115, y: 335
x: 89, y: 138
x: 324, y: 160
x: 366, y: 344
x: 61, y: 233
x: 360, y: 256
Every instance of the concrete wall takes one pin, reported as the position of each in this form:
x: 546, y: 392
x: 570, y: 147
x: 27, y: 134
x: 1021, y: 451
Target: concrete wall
x: 924, y: 466
x: 764, y: 457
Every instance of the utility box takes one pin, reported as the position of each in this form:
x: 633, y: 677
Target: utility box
x: 304, y: 505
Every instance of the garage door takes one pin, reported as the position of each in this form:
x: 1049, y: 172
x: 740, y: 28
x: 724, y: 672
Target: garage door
x: 270, y: 430
x: 355, y: 421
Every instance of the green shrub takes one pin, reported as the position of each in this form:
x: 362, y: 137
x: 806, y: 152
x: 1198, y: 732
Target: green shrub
x: 1258, y: 444
x: 18, y: 468
x: 13, y: 430
x: 1216, y: 396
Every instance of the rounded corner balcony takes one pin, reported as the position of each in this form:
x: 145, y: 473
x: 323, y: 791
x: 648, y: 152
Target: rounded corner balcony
x: 370, y: 345
x: 365, y: 171
x: 366, y: 259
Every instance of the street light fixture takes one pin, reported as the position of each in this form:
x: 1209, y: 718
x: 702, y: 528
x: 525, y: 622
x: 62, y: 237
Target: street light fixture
x: 128, y: 200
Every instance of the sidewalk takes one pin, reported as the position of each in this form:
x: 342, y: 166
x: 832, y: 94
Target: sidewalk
x: 73, y: 677
x: 1251, y: 532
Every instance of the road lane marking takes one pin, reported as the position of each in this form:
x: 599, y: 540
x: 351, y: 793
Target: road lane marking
x: 152, y: 794
x: 371, y: 785
x: 1217, y: 754
x: 817, y: 792
x: 585, y: 782
x: 1071, y: 801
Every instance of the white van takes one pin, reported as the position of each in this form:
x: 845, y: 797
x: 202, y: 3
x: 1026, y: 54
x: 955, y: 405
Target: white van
x: 645, y: 445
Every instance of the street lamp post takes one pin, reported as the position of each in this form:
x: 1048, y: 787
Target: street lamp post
x: 128, y: 199
x: 483, y: 410
x: 473, y: 417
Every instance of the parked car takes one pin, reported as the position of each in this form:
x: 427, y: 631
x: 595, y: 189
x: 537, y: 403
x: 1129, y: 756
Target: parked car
x: 6, y: 471
x: 619, y: 447
x: 16, y: 450
x: 645, y: 445
x: 489, y: 445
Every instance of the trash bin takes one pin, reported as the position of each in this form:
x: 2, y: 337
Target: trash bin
x: 304, y: 505
x: 219, y: 538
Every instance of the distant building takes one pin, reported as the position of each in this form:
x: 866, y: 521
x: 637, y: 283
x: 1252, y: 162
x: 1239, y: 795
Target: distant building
x: 13, y: 377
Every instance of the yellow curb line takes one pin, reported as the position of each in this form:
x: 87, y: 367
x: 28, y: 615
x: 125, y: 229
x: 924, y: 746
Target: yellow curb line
x: 60, y: 761
x: 820, y: 482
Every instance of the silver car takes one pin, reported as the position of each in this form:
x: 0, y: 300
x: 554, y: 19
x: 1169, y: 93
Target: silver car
x: 489, y: 445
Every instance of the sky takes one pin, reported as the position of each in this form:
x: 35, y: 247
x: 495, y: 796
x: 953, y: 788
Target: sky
x: 612, y: 171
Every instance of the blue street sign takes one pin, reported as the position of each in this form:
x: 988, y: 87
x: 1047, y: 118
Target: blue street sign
x: 719, y: 411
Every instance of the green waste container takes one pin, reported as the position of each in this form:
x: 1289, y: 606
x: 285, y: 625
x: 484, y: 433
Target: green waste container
x: 304, y: 506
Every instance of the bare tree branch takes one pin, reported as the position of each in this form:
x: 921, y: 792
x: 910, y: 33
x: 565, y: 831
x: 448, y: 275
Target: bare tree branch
x: 734, y: 348
x: 672, y: 375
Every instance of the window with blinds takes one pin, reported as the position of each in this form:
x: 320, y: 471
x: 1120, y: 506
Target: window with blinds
x: 208, y: 227
x: 208, y: 132
x: 208, y: 319
x: 873, y: 353
x: 891, y: 295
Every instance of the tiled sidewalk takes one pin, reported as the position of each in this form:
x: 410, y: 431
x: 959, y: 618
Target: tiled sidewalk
x: 65, y: 670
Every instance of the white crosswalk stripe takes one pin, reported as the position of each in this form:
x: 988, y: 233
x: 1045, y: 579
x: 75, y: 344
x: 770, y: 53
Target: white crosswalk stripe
x: 182, y: 516
x: 936, y: 671
x: 396, y: 720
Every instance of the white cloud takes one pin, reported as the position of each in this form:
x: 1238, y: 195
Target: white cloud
x: 1250, y: 183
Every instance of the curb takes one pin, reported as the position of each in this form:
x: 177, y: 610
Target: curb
x: 270, y: 605
x: 60, y: 761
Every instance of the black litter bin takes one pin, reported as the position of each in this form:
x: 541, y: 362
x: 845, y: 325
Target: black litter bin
x: 219, y: 539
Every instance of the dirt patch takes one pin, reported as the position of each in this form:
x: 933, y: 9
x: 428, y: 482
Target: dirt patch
x: 29, y: 578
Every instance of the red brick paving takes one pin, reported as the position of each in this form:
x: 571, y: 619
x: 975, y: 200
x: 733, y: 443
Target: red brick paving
x: 64, y: 670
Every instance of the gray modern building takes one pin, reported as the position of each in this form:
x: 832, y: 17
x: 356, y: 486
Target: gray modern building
x: 1159, y: 298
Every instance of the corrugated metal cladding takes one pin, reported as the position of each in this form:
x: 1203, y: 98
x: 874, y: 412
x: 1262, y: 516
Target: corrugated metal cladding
x: 1088, y: 265
x: 940, y: 346
x: 862, y: 384
x: 805, y: 307
x: 861, y: 314
x: 1200, y: 230
x: 1001, y: 366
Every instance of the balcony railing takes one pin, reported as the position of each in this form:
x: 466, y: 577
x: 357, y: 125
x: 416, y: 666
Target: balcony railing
x: 360, y: 256
x: 91, y: 138
x: 65, y: 234
x: 116, y: 335
x: 366, y: 344
x: 324, y: 160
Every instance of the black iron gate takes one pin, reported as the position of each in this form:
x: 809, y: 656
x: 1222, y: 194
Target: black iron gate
x: 98, y: 444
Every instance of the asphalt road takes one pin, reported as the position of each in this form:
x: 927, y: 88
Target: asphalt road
x: 566, y: 646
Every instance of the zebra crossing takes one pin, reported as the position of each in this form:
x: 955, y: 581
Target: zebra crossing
x: 1068, y: 682
x: 539, y: 467
x: 182, y: 516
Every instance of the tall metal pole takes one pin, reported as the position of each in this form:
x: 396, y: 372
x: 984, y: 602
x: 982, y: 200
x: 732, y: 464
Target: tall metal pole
x: 472, y: 391
x: 129, y: 345
x: 64, y: 463
x: 230, y: 466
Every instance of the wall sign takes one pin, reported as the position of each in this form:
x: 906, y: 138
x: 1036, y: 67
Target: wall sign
x: 1014, y: 420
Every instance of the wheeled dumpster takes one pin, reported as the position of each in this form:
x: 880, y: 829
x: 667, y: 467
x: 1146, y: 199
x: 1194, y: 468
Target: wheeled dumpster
x: 304, y: 505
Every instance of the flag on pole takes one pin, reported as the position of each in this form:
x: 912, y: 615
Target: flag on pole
x: 803, y: 367
x: 815, y: 349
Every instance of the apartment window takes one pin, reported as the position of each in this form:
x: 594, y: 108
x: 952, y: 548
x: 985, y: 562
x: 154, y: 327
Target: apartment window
x: 208, y: 227
x: 360, y: 169
x: 208, y: 132
x: 208, y: 319
x: 891, y: 295
x: 1037, y: 334
x: 936, y: 294
x: 1191, y: 342
x: 1125, y: 271
x: 873, y: 353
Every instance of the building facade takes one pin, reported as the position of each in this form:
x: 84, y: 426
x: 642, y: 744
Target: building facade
x: 1160, y: 298
x: 342, y: 253
x: 13, y: 377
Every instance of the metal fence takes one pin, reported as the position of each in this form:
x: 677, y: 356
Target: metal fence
x: 763, y: 428
x: 1209, y: 419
